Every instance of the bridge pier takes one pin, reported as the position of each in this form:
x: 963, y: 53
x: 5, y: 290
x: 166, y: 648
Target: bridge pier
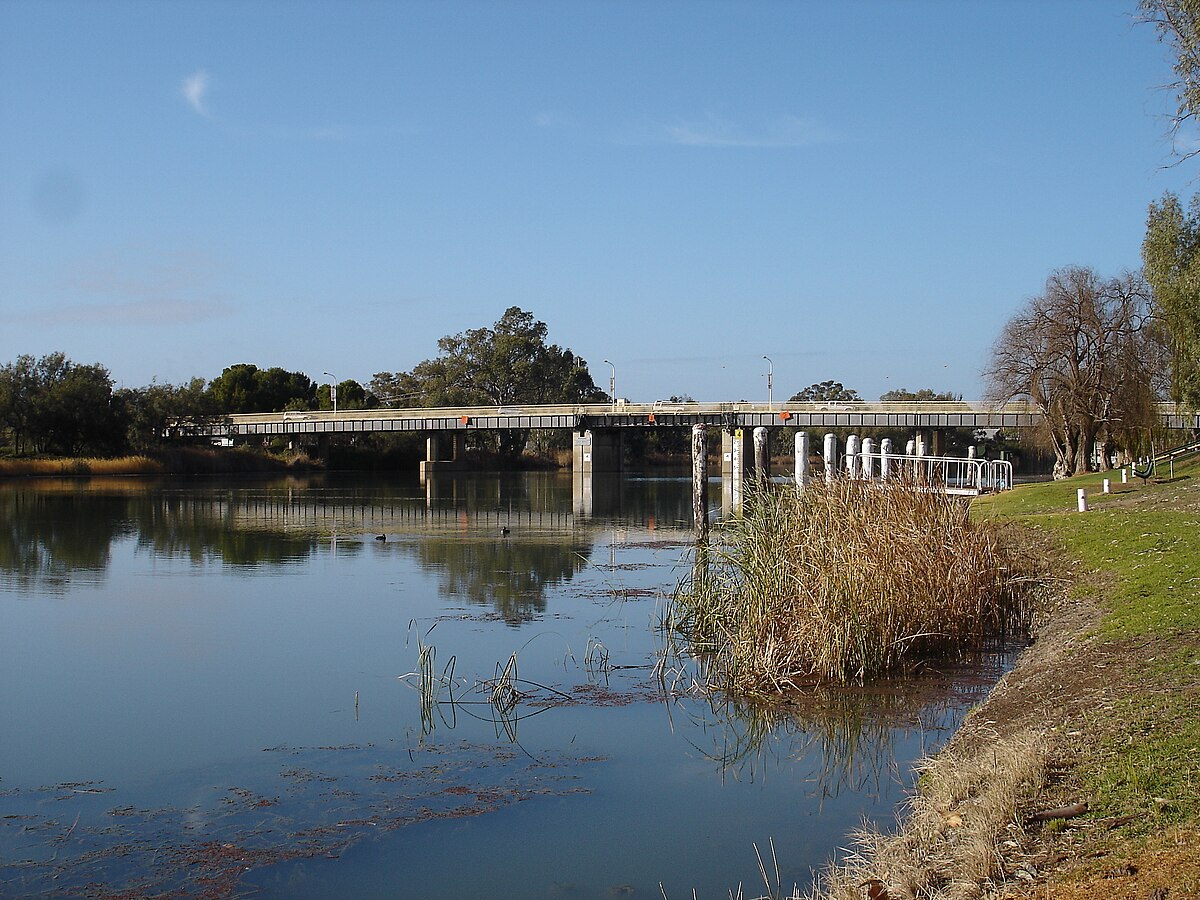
x: 597, y: 450
x: 931, y: 439
x: 443, y: 452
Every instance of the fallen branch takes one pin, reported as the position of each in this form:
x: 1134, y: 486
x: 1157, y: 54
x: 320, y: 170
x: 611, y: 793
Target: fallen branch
x: 1061, y: 812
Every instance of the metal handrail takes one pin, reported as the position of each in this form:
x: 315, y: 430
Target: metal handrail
x: 948, y: 472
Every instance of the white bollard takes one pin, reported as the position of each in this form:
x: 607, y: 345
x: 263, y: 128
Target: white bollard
x: 1106, y: 490
x: 868, y: 459
x: 801, y: 458
x: 852, y: 457
x: 885, y: 464
x: 1124, y: 475
x: 1082, y: 494
x: 831, y: 459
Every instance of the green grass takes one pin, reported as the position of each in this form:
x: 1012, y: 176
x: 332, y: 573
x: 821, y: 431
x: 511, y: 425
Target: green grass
x: 1138, y: 551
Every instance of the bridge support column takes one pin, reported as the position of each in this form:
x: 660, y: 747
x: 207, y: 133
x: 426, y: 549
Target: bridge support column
x: 323, y: 447
x: 599, y: 450
x: 932, y: 440
x: 741, y: 440
x: 443, y: 453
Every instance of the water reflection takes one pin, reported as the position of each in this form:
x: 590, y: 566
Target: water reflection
x: 46, y: 538
x: 499, y: 541
x: 222, y: 731
x: 847, y: 733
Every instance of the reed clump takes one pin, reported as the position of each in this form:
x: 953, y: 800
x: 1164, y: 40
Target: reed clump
x: 843, y: 582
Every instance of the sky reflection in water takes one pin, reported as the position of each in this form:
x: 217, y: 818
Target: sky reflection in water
x: 202, y: 691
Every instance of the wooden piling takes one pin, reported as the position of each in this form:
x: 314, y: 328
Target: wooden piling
x: 700, y: 480
x: 885, y: 464
x: 831, y: 460
x: 762, y: 455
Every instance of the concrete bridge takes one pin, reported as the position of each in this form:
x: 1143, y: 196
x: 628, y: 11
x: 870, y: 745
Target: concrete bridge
x: 597, y: 428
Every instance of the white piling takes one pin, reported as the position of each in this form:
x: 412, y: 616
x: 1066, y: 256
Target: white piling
x: 831, y: 459
x: 885, y: 464
x: 868, y: 459
x: 971, y: 452
x: 852, y: 457
x: 1082, y: 495
x: 802, y: 475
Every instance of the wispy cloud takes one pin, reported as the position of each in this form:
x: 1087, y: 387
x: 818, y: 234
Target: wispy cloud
x: 784, y: 131
x: 162, y: 311
x: 133, y: 287
x: 194, y: 88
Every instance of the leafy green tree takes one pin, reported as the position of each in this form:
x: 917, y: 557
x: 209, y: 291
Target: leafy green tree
x: 54, y: 405
x: 825, y: 391
x: 924, y: 395
x: 350, y: 395
x: 150, y: 412
x: 507, y: 364
x: 1171, y: 260
x: 245, y: 388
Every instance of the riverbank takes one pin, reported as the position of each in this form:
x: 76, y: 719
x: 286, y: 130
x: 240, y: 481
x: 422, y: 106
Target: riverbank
x: 1079, y: 777
x: 174, y: 461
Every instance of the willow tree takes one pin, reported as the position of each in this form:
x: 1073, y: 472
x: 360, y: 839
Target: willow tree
x: 1086, y: 353
x: 1171, y: 260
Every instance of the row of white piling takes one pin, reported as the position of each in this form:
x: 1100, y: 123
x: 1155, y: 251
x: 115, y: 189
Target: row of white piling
x: 1081, y: 494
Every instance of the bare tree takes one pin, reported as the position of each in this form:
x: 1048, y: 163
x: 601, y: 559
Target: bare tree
x: 1086, y: 353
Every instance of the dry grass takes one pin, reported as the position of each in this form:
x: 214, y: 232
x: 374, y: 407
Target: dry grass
x: 845, y: 582
x: 174, y: 461
x: 949, y: 844
x: 76, y: 466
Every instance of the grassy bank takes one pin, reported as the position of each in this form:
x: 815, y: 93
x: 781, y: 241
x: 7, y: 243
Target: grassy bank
x: 175, y: 461
x: 1080, y: 776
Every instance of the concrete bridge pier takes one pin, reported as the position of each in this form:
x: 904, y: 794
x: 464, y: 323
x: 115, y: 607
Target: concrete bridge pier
x: 443, y: 452
x: 932, y: 439
x: 737, y: 453
x: 597, y: 450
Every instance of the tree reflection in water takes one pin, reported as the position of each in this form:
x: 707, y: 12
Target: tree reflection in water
x: 54, y: 531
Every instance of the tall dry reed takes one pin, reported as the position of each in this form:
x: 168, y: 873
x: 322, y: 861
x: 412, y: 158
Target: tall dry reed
x: 844, y: 582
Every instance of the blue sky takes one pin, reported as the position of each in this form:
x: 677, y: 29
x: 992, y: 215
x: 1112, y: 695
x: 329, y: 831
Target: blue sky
x: 862, y: 191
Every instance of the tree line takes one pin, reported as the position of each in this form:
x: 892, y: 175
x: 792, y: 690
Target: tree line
x: 55, y: 406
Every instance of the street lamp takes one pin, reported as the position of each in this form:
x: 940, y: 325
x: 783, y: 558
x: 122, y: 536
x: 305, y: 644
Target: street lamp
x: 770, y: 383
x: 332, y: 390
x: 612, y: 384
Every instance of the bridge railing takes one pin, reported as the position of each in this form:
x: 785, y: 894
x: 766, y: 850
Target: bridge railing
x: 949, y: 473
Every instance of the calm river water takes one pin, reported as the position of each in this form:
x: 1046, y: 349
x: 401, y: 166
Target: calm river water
x: 213, y: 688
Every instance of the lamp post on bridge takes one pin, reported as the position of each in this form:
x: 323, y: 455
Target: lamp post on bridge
x: 332, y: 390
x: 770, y: 383
x: 612, y: 384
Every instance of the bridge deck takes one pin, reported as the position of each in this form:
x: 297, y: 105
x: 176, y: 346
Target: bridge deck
x: 959, y: 414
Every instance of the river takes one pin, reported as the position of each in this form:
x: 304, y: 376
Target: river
x: 216, y: 688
